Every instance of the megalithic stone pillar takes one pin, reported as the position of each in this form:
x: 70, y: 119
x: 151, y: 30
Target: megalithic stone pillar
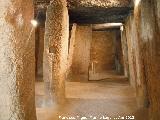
x: 56, y: 48
x: 17, y: 60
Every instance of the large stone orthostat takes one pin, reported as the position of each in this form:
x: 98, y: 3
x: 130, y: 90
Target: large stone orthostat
x: 17, y: 63
x: 56, y: 48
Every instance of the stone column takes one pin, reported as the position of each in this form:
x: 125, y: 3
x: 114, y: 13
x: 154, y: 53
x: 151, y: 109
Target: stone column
x: 56, y: 48
x: 71, y: 47
x: 17, y: 72
x: 125, y: 52
x: 81, y: 50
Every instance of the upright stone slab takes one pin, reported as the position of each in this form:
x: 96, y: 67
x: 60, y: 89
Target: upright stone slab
x: 143, y: 48
x: 81, y: 50
x: 56, y: 48
x: 71, y: 47
x: 16, y: 61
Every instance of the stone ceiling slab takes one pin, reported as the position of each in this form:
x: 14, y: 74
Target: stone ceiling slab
x: 98, y: 3
x: 96, y: 11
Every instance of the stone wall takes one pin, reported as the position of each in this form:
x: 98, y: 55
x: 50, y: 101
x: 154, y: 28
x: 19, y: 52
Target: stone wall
x: 81, y: 54
x: 119, y: 55
x: 39, y: 50
x: 142, y: 29
x: 56, y: 49
x: 17, y: 64
x: 154, y: 86
x: 125, y: 52
x: 103, y: 50
x: 71, y: 47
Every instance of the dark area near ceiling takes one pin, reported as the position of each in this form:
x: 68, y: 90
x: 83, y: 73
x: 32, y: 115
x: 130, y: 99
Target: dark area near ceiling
x: 41, y: 17
x: 90, y: 12
x: 98, y: 15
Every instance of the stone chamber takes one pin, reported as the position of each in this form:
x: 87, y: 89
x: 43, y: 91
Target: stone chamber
x: 79, y: 59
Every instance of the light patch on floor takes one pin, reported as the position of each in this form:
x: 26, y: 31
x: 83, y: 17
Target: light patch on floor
x: 86, y: 99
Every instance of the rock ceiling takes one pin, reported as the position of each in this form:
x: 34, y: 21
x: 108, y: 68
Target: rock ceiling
x: 96, y: 11
x: 98, y: 3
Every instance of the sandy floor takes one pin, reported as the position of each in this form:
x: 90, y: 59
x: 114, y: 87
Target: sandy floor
x: 93, y: 100
x: 107, y: 75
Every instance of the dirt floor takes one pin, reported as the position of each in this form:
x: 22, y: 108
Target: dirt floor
x: 107, y: 75
x: 92, y: 100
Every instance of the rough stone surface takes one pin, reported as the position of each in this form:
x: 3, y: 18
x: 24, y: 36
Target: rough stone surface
x: 71, y: 47
x: 154, y: 87
x: 98, y: 11
x: 94, y: 11
x: 98, y: 3
x: 56, y: 48
x: 103, y: 50
x: 94, y: 50
x: 17, y: 61
x: 143, y: 41
x: 81, y: 55
x: 94, y: 15
x: 39, y: 37
x: 119, y: 56
x: 125, y: 52
x: 92, y: 3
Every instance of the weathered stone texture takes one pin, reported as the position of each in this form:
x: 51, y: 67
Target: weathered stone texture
x: 94, y: 48
x: 119, y: 58
x: 125, y: 52
x: 155, y: 86
x: 39, y: 50
x: 132, y: 48
x: 98, y: 3
x: 17, y: 61
x: 91, y: 3
x: 71, y: 47
x: 81, y: 55
x: 142, y: 30
x: 103, y: 50
x: 93, y: 11
x: 56, y: 47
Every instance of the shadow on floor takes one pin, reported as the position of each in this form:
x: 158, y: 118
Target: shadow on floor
x: 91, y: 99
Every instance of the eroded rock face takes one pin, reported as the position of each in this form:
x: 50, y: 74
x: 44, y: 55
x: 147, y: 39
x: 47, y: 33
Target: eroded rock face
x: 17, y: 61
x: 56, y: 47
x: 39, y: 37
x: 81, y: 53
x: 143, y: 41
x: 92, y: 3
x: 94, y: 11
x: 98, y: 3
x: 98, y: 11
x: 103, y: 50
